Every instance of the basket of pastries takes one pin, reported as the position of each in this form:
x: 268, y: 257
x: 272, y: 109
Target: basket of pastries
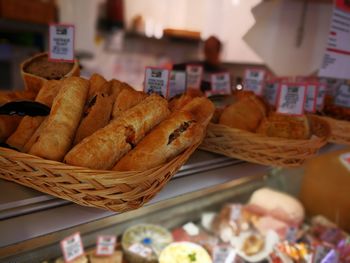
x: 247, y: 129
x: 103, y: 144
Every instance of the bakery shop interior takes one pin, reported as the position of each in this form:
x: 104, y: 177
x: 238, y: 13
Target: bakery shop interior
x: 175, y: 131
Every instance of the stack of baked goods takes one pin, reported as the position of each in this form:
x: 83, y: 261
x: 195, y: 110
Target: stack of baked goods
x: 97, y: 125
x: 248, y: 129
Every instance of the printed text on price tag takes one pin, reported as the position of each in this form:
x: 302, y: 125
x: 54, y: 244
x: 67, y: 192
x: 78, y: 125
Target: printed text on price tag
x: 194, y: 75
x: 321, y: 94
x: 271, y: 92
x: 342, y: 96
x: 311, y: 98
x: 72, y: 247
x: 157, y: 81
x: 105, y: 245
x: 177, y: 83
x: 61, y: 42
x: 291, y: 99
x: 254, y: 80
x: 220, y: 83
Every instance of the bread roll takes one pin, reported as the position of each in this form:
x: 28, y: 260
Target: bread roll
x: 127, y: 99
x: 178, y: 102
x: 96, y: 84
x: 181, y: 130
x: 7, y: 96
x: 105, y: 147
x: 57, y: 135
x: 28, y: 125
x: 8, y: 125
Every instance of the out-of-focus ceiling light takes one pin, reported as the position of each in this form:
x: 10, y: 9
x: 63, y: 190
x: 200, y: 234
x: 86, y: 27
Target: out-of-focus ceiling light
x: 235, y: 2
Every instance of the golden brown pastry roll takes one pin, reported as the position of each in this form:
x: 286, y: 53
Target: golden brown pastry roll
x: 178, y: 102
x: 8, y: 125
x: 57, y: 135
x: 28, y: 125
x: 106, y: 146
x: 127, y: 99
x: 96, y: 84
x: 96, y: 114
x: 7, y: 96
x: 171, y: 137
x: 34, y: 138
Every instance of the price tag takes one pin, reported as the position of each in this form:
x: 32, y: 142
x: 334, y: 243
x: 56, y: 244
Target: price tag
x: 311, y: 98
x: 191, y: 229
x: 342, y: 96
x: 291, y: 234
x: 223, y: 254
x: 61, y: 42
x: 321, y: 94
x: 220, y: 83
x: 254, y: 80
x: 72, y: 247
x: 177, y: 83
x: 345, y: 160
x: 235, y: 213
x: 291, y: 99
x: 105, y: 245
x: 157, y: 81
x: 194, y: 76
x: 141, y: 250
x: 271, y: 92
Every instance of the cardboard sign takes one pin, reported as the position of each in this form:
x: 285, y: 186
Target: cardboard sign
x: 105, y: 245
x: 254, y: 80
x: 291, y: 99
x: 311, y: 98
x: 72, y: 247
x: 321, y: 94
x: 157, y: 81
x: 61, y: 42
x: 194, y: 76
x: 342, y: 96
x: 220, y: 83
x: 177, y: 83
x: 271, y: 92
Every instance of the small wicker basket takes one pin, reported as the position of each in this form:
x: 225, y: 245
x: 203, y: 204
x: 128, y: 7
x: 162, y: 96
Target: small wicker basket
x: 264, y: 150
x: 340, y: 130
x: 111, y: 190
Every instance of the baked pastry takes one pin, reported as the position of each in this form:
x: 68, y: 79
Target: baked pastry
x: 28, y: 124
x: 8, y: 125
x: 126, y: 99
x: 96, y: 84
x: 117, y: 257
x: 253, y: 245
x: 106, y: 146
x: 245, y: 114
x: 181, y: 130
x: 7, y: 96
x: 285, y: 126
x: 178, y: 102
x: 57, y: 135
x: 37, y: 69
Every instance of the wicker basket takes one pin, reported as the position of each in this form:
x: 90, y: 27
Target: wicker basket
x: 264, y: 150
x: 340, y: 130
x: 111, y: 190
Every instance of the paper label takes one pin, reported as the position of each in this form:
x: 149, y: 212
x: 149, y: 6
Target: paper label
x: 177, y: 83
x: 141, y: 250
x: 236, y: 211
x: 321, y: 94
x: 342, y: 96
x: 271, y: 92
x: 194, y: 76
x: 254, y: 80
x: 311, y: 98
x: 72, y: 247
x: 291, y: 99
x: 61, y: 42
x: 221, y: 83
x: 105, y: 245
x: 156, y: 81
x: 191, y: 229
x: 291, y: 234
x: 345, y: 160
x: 222, y: 254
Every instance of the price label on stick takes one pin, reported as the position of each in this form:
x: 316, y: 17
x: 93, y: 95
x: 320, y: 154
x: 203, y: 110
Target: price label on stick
x: 342, y: 96
x: 177, y: 83
x: 157, y: 81
x: 72, y: 247
x: 271, y: 92
x: 311, y: 98
x: 291, y: 99
x: 254, y: 80
x: 321, y: 94
x: 105, y: 245
x: 61, y: 42
x: 194, y: 76
x: 220, y: 83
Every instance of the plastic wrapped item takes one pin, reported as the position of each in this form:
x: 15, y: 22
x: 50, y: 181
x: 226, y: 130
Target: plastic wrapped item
x: 184, y: 252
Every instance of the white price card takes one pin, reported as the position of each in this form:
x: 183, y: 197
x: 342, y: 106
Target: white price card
x: 105, y: 245
x: 271, y: 92
x: 342, y: 96
x: 194, y: 76
x: 140, y: 250
x: 321, y: 95
x: 235, y: 212
x: 223, y: 254
x: 157, y: 81
x: 254, y: 80
x: 177, y: 83
x: 72, y: 247
x: 345, y: 160
x: 291, y: 99
x: 61, y: 42
x: 220, y: 83
x: 311, y: 98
